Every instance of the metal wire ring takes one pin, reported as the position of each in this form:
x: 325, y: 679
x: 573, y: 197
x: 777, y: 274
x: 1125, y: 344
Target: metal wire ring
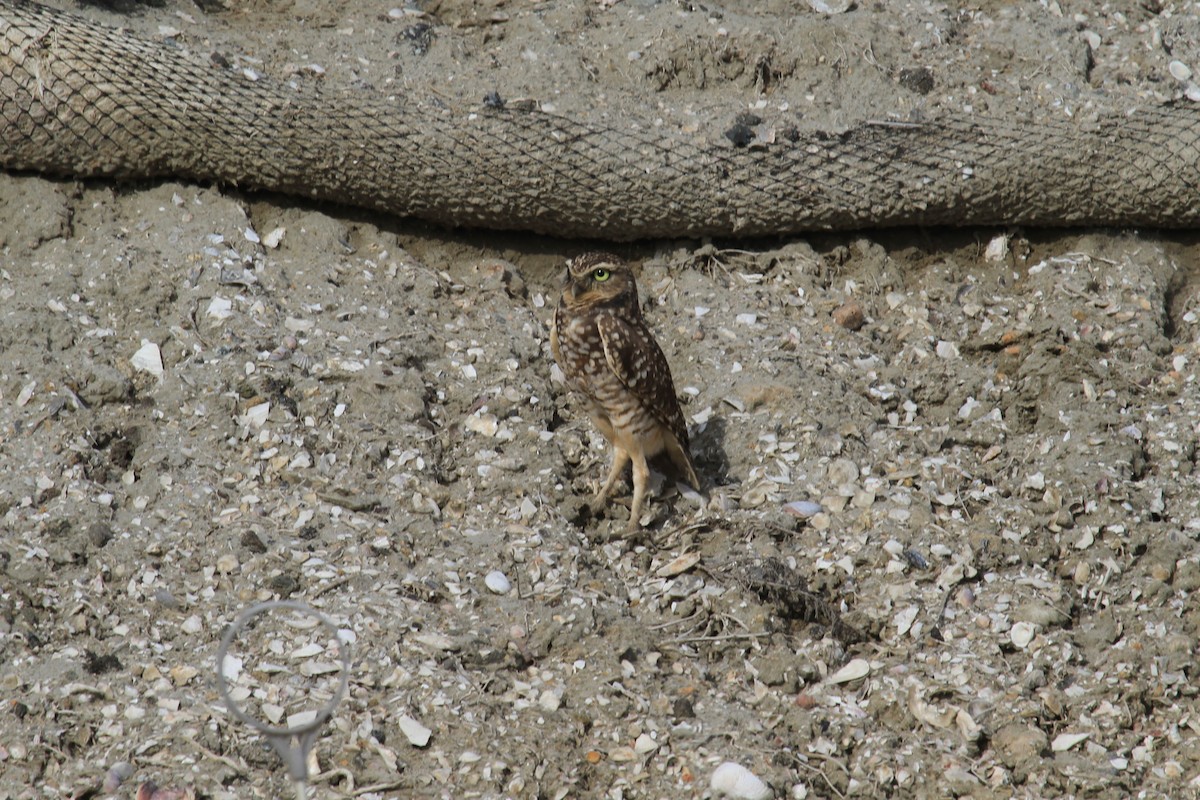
x: 324, y: 713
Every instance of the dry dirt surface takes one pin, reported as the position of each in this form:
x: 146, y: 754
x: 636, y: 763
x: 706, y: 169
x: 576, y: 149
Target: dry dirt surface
x: 949, y: 540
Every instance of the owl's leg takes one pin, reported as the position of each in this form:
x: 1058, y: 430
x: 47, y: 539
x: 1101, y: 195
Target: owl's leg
x: 620, y: 459
x: 641, y: 477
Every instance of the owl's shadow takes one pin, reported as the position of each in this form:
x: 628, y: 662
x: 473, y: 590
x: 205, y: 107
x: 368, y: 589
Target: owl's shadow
x: 708, y: 453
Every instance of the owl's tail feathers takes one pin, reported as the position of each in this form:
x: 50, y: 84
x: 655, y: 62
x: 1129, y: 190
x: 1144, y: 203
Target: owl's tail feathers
x: 683, y: 462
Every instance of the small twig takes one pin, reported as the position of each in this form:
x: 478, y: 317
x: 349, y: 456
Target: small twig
x: 339, y: 772
x: 724, y: 637
x: 377, y: 787
x: 671, y: 623
x: 241, y: 769
x: 326, y: 589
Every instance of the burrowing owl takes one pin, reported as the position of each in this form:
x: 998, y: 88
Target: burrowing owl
x: 601, y: 342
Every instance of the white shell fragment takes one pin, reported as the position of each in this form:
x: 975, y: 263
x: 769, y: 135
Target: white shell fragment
x: 678, y: 565
x: 904, y: 619
x: 231, y: 668
x: 1022, y: 634
x: 416, y: 733
x: 804, y: 509
x: 830, y: 6
x: 997, y: 249
x: 947, y: 350
x: 485, y: 424
x: 26, y: 393
x: 148, y: 358
x: 856, y: 668
x: 497, y: 582
x: 645, y: 744
x: 256, y: 415
x: 273, y: 238
x: 734, y: 780
x: 273, y: 712
x: 220, y: 308
x: 1065, y: 741
x: 301, y: 718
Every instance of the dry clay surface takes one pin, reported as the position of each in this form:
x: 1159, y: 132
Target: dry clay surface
x: 949, y: 543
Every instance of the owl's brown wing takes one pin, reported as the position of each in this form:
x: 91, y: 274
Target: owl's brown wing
x: 638, y: 362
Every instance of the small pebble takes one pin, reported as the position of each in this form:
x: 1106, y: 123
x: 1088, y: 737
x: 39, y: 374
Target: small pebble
x: 549, y: 700
x: 850, y: 315
x: 117, y: 774
x: 497, y: 582
x: 99, y: 534
x: 622, y: 754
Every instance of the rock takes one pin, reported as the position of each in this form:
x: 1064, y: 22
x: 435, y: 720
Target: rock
x: 850, y: 315
x: 1042, y: 614
x: 1020, y: 746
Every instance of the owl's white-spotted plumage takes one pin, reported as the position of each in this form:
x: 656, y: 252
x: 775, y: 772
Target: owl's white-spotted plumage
x: 611, y: 359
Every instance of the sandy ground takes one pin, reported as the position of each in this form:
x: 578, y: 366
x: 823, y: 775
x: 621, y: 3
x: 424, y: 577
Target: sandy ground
x: 949, y: 552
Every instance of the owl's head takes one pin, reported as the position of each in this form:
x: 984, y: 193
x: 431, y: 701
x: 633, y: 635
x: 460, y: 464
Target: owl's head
x: 599, y: 279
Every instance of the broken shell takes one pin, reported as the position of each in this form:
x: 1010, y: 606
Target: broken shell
x: 678, y: 565
x: 1022, y: 634
x: 148, y: 358
x: 644, y: 744
x: 273, y: 238
x: 856, y: 668
x: 150, y: 791
x: 997, y: 250
x: 220, y: 307
x: 416, y: 733
x: 734, y: 780
x: 830, y: 6
x: 1065, y: 741
x: 804, y: 509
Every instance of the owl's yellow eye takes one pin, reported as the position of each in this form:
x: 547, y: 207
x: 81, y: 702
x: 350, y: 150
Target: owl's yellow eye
x: 600, y: 275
